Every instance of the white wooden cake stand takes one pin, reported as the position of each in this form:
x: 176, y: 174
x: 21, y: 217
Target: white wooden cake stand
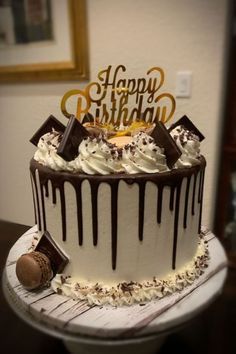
x: 105, y: 329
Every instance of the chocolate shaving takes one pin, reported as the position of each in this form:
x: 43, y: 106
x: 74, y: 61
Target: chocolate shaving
x: 163, y: 139
x: 57, y: 258
x: 72, y: 137
x: 50, y: 123
x: 59, y: 291
x: 188, y: 124
x: 88, y: 118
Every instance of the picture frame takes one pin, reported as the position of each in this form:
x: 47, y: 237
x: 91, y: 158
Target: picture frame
x: 75, y: 67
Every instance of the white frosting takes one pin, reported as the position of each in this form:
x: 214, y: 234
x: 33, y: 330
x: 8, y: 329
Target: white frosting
x: 97, y: 156
x: 46, y: 153
x: 143, y: 155
x: 136, y: 260
x: 133, y: 292
x: 189, y: 145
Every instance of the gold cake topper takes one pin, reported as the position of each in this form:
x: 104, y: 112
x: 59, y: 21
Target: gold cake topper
x: 110, y: 98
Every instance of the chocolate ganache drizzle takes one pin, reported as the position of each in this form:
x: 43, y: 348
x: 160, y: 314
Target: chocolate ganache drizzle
x: 41, y: 175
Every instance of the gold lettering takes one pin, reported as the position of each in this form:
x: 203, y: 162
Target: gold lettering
x: 109, y: 97
x: 79, y: 108
x: 164, y: 117
x: 136, y: 111
x: 148, y: 115
x: 153, y: 86
x: 104, y: 118
x: 122, y: 112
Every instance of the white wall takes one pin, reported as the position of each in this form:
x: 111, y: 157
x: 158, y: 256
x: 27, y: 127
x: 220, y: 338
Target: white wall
x: 176, y: 35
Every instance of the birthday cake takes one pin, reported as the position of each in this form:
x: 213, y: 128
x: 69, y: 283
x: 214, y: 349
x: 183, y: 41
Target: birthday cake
x: 118, y: 203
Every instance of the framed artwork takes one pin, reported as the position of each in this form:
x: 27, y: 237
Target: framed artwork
x: 43, y: 40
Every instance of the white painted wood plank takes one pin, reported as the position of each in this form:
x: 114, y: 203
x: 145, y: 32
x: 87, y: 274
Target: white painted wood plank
x: 77, y: 317
x: 58, y: 309
x: 138, y: 317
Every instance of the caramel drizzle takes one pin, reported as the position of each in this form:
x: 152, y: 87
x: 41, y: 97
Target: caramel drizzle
x: 46, y: 174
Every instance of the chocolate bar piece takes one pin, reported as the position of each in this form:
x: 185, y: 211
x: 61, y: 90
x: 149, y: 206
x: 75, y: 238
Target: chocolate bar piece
x: 88, y: 118
x: 188, y: 124
x: 47, y: 246
x: 46, y: 127
x: 163, y: 139
x: 72, y: 137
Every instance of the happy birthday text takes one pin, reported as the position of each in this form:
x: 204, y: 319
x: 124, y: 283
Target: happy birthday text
x: 110, y: 98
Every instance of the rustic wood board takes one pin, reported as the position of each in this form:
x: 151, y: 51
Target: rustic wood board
x: 76, y: 317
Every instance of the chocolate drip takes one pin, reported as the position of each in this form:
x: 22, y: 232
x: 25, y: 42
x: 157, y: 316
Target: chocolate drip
x: 46, y: 189
x: 34, y: 202
x: 37, y: 200
x: 159, y: 203
x: 186, y: 202
x: 54, y: 195
x: 94, y: 200
x: 171, y: 179
x: 142, y: 186
x: 201, y: 200
x: 200, y: 187
x: 172, y: 195
x: 63, y: 211
x: 194, y: 191
x: 79, y: 212
x: 43, y: 207
x: 114, y: 211
x: 176, y: 224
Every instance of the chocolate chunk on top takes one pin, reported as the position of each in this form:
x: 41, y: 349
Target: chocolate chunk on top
x: 188, y: 124
x: 72, y: 137
x: 164, y: 140
x: 50, y: 123
x: 47, y: 246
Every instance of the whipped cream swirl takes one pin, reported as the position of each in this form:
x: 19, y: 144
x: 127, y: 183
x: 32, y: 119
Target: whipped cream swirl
x: 47, y: 152
x: 143, y: 155
x: 189, y: 145
x: 97, y: 156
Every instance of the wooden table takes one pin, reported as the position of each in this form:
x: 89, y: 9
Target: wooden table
x: 125, y: 329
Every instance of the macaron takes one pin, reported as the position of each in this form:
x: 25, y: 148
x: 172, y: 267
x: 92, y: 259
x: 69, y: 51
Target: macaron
x: 121, y: 141
x: 33, y: 270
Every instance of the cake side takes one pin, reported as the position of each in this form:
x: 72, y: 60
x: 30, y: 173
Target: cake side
x: 120, y: 228
x: 128, y: 293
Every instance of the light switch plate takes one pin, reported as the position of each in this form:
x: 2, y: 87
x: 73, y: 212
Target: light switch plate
x: 183, y: 84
